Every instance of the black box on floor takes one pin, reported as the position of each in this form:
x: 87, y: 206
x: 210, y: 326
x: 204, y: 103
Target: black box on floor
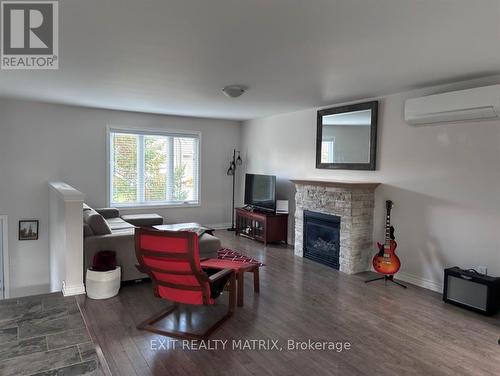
x: 471, y: 290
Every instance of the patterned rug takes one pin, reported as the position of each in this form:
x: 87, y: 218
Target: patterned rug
x: 229, y: 254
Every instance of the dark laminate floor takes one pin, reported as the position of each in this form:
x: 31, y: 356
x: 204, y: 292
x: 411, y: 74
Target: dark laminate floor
x: 392, y: 331
x: 45, y: 335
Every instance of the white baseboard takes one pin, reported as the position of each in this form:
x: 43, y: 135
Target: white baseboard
x: 419, y: 281
x: 219, y: 226
x: 69, y: 290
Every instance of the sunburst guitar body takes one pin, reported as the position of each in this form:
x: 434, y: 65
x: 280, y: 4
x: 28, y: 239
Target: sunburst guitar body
x: 386, y: 261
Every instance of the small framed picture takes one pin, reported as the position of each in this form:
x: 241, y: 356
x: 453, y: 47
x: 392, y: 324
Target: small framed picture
x: 28, y: 229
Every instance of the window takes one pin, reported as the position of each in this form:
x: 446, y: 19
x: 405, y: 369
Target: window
x: 153, y: 168
x: 327, y: 151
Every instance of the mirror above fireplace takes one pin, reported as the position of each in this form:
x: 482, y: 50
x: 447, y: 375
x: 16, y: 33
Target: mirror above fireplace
x: 347, y: 137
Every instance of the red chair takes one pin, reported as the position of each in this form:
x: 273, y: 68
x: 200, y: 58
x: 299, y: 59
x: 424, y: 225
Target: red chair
x: 171, y: 259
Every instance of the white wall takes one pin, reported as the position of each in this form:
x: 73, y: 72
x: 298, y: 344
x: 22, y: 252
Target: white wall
x: 42, y: 142
x: 444, y: 180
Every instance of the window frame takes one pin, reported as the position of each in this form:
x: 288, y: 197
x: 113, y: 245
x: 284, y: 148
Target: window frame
x: 154, y: 132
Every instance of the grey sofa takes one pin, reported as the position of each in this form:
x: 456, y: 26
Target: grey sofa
x: 105, y: 230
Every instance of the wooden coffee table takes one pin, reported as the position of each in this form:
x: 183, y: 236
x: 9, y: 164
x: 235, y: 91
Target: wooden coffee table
x: 240, y: 268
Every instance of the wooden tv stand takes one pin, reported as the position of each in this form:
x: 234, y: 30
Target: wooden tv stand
x: 266, y: 227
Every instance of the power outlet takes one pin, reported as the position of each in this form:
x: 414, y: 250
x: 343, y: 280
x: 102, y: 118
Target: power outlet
x: 482, y: 269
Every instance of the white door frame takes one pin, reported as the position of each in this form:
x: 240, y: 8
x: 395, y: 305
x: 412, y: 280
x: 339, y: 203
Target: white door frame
x: 5, y: 251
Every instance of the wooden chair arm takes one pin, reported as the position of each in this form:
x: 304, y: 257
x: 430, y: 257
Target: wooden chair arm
x: 220, y: 274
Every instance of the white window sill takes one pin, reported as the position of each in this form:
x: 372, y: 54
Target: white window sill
x: 154, y: 206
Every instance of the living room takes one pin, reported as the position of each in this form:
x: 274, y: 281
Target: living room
x: 160, y: 115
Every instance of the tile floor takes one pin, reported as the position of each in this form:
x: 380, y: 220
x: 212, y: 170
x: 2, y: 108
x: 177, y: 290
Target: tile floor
x: 45, y: 335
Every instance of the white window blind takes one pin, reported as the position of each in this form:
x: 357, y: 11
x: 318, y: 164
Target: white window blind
x: 153, y: 168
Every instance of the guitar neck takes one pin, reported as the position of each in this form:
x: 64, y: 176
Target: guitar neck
x: 387, y: 231
x: 388, y: 227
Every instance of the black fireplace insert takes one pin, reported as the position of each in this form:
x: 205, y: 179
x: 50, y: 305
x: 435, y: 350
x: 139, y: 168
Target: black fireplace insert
x: 322, y: 238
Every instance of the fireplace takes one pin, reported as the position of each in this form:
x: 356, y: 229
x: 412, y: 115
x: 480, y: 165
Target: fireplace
x: 322, y: 238
x: 353, y: 203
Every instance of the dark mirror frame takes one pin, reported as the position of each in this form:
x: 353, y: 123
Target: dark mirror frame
x: 373, y: 106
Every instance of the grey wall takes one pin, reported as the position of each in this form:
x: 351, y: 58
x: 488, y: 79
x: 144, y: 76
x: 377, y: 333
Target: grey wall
x: 42, y: 142
x: 444, y: 180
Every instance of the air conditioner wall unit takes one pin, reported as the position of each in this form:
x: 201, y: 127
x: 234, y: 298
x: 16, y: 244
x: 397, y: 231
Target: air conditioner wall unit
x: 480, y: 103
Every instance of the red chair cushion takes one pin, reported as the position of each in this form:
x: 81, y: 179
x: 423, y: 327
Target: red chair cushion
x: 183, y: 296
x: 159, y: 241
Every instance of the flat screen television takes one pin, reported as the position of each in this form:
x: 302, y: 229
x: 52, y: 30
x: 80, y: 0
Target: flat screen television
x: 260, y: 192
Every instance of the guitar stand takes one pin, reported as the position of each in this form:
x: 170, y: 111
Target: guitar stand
x: 386, y: 278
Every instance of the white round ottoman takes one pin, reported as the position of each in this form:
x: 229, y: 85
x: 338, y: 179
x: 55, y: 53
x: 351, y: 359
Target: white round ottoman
x: 103, y: 285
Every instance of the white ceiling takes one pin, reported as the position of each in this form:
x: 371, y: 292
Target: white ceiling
x: 174, y: 56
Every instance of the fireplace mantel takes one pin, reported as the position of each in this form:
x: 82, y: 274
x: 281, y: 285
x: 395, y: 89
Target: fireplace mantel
x: 337, y: 184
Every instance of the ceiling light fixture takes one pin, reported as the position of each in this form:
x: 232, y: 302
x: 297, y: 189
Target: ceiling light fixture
x: 233, y: 91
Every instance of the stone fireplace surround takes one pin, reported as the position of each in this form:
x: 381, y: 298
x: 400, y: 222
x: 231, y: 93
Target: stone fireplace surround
x: 353, y: 203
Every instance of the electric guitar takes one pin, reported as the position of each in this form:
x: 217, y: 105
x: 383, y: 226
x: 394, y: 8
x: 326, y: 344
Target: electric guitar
x: 386, y: 261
